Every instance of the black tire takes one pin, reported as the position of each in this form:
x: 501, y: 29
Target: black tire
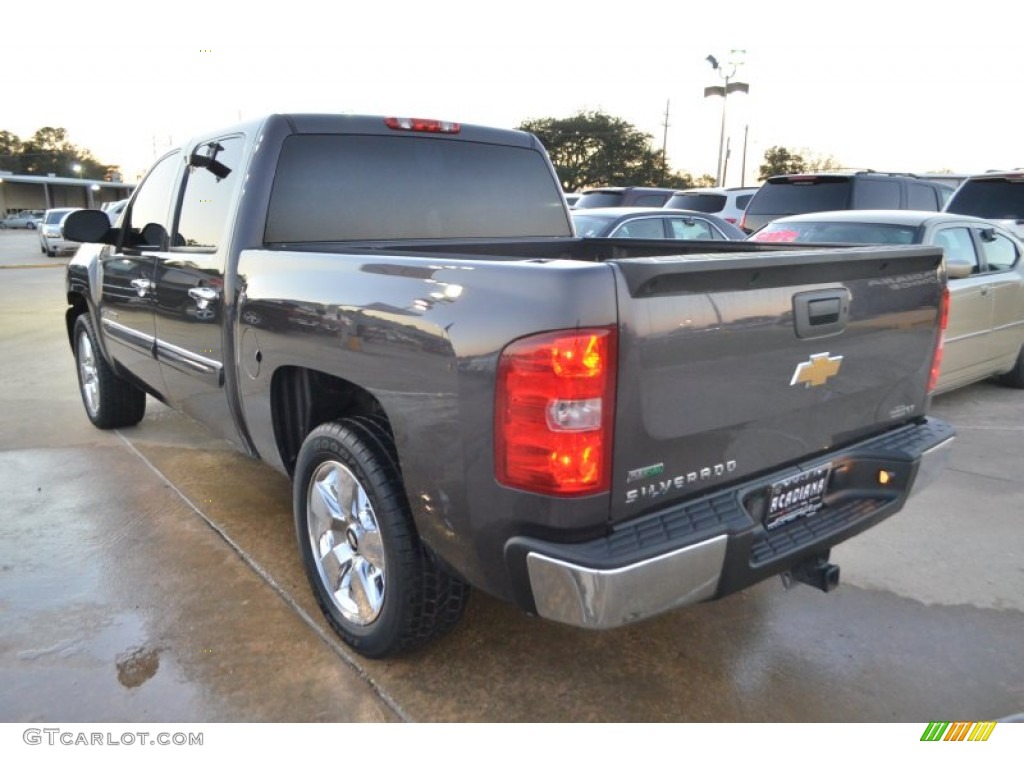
x: 381, y: 590
x: 1015, y: 376
x: 30, y: 225
x: 110, y: 401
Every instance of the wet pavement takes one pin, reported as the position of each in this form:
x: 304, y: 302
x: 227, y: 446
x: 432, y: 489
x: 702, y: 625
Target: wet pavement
x: 151, y: 575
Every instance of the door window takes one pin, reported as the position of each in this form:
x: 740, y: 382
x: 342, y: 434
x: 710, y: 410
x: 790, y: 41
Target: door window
x: 958, y: 245
x: 145, y: 223
x: 212, y: 177
x: 1000, y: 252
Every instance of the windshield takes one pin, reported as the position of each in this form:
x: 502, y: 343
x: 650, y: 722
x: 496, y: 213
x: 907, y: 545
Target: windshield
x: 599, y: 200
x: 838, y: 232
x: 787, y: 198
x: 55, y: 217
x: 705, y: 202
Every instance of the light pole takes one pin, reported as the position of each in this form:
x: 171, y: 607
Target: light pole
x: 729, y: 86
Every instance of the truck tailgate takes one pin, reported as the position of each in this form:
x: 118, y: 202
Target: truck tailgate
x: 736, y: 365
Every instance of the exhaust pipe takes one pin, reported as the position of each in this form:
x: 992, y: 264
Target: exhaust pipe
x: 816, y: 572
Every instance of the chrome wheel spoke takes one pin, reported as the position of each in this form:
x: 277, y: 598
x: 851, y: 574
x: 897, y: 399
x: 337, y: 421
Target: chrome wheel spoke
x: 369, y: 586
x: 87, y: 373
x: 346, y: 543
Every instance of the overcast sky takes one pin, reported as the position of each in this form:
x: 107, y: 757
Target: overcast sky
x: 894, y: 86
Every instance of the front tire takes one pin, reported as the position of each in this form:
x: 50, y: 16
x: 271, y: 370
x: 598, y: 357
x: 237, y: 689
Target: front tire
x: 379, y: 587
x: 110, y: 401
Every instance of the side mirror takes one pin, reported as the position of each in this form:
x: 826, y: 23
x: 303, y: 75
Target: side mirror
x: 86, y: 226
x: 956, y: 270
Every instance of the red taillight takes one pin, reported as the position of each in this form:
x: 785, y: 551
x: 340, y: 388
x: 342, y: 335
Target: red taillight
x: 933, y: 378
x: 554, y: 409
x: 420, y: 125
x: 775, y: 236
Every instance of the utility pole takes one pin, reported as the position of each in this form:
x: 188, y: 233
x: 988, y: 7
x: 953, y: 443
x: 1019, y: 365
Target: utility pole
x: 664, y: 145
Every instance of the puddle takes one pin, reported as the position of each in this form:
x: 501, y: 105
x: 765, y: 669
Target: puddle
x: 137, y: 665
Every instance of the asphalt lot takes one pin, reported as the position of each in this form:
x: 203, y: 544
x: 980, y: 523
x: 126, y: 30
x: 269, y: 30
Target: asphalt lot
x: 150, y: 575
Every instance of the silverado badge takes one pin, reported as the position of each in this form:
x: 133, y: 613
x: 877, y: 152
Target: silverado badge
x: 817, y: 371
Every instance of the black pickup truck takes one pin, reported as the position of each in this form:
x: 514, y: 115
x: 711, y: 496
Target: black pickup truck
x: 397, y: 314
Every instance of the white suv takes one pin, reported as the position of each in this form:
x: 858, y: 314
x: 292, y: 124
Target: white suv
x: 726, y: 202
x: 996, y: 195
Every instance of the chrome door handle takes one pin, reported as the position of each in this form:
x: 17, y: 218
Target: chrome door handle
x: 142, y: 286
x: 203, y: 295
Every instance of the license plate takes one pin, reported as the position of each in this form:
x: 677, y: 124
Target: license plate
x: 797, y: 496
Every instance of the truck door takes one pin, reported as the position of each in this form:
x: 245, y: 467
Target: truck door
x: 128, y: 272
x: 189, y: 301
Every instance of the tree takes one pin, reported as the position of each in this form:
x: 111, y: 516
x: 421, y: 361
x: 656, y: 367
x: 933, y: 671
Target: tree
x: 778, y: 160
x: 593, y: 149
x: 49, y: 151
x: 817, y: 162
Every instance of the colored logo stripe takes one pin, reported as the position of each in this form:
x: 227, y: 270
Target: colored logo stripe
x: 958, y: 731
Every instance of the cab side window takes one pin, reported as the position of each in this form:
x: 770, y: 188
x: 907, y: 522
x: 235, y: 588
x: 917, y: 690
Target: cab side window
x: 213, y: 173
x: 144, y: 225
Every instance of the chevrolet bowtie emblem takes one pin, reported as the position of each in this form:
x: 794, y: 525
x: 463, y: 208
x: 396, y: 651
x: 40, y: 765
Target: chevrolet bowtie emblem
x: 817, y: 371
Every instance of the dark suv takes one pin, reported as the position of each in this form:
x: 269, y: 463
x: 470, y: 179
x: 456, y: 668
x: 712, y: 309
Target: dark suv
x: 635, y: 197
x: 812, y: 192
x: 996, y: 195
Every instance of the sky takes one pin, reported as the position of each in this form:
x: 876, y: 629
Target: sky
x: 893, y: 86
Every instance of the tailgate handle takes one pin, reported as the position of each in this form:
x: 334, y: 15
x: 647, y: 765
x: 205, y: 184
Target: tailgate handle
x: 823, y: 311
x: 820, y: 313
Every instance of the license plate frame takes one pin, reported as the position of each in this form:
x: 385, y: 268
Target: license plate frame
x: 799, y: 495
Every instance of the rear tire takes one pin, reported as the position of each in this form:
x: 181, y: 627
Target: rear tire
x: 110, y: 401
x: 377, y: 584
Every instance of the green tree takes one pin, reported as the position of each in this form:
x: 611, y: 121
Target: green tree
x: 817, y: 162
x: 49, y: 151
x: 593, y: 149
x: 778, y: 160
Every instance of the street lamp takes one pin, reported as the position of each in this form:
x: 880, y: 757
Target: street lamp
x: 77, y: 168
x: 729, y: 86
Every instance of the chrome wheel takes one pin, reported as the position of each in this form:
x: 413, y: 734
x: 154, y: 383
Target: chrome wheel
x: 346, y: 543
x: 88, y: 376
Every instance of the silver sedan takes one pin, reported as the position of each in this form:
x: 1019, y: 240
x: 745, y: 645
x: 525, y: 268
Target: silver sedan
x: 985, y: 264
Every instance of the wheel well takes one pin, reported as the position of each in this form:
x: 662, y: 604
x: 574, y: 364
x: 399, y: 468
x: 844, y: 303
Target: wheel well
x: 301, y: 399
x: 77, y: 306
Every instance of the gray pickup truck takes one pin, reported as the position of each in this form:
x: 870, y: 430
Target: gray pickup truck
x: 397, y: 314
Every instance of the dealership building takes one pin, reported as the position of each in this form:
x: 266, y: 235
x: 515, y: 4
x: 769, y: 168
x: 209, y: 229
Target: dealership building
x: 35, y: 193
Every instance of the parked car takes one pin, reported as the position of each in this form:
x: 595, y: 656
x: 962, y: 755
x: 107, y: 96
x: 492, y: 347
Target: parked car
x: 985, y: 336
x: 726, y: 202
x: 23, y: 220
x: 606, y: 197
x: 113, y: 210
x: 997, y: 196
x: 792, y: 194
x: 51, y: 239
x: 653, y: 224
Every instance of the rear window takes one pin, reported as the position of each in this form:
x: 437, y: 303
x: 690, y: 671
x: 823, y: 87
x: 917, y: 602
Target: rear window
x: 989, y: 199
x: 599, y: 200
x: 365, y: 188
x: 785, y: 198
x: 705, y: 202
x: 837, y: 232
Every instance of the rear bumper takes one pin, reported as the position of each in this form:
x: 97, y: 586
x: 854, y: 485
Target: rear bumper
x: 709, y: 547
